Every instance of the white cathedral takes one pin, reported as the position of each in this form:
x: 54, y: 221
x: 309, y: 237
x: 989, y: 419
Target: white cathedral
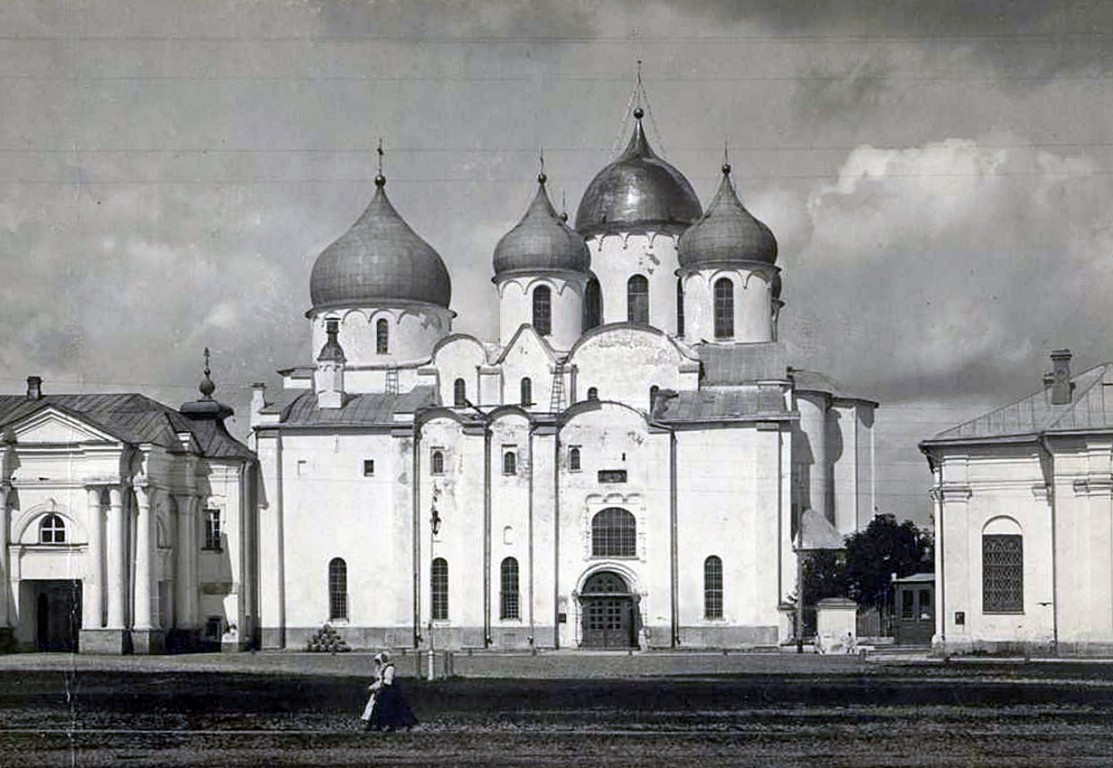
x: 631, y: 464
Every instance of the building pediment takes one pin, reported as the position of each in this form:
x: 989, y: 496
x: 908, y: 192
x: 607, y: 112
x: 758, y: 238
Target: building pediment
x: 55, y: 426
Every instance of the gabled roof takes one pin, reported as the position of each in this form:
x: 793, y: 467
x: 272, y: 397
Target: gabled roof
x: 130, y: 418
x: 1090, y: 409
x: 365, y: 410
x: 736, y: 403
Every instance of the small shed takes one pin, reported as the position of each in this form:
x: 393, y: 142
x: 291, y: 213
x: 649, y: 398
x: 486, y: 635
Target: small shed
x: 914, y: 609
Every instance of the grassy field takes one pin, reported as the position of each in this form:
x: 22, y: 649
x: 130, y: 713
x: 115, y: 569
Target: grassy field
x: 293, y: 710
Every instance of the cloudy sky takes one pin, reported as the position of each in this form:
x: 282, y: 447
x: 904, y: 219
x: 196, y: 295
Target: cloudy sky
x: 939, y: 175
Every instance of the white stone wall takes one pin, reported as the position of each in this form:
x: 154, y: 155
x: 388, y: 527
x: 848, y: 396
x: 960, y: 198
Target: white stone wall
x: 461, y: 357
x: 753, y: 308
x: 527, y: 357
x: 616, y: 258
x: 623, y: 363
x: 566, y: 302
x: 413, y: 331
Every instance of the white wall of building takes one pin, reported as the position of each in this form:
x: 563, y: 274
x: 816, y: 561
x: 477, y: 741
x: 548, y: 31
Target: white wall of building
x: 616, y: 258
x: 566, y: 305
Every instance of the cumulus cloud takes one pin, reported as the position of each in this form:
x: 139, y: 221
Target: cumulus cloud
x: 951, y: 268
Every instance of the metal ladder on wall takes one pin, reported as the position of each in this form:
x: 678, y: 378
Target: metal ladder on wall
x: 392, y: 380
x: 556, y: 402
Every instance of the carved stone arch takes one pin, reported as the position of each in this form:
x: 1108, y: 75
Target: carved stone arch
x: 354, y: 311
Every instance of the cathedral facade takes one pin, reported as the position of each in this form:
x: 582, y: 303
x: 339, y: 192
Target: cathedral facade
x: 632, y: 463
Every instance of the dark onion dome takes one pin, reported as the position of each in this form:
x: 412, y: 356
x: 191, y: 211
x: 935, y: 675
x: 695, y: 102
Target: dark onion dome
x: 726, y: 233
x: 541, y: 241
x: 379, y: 260
x: 638, y: 190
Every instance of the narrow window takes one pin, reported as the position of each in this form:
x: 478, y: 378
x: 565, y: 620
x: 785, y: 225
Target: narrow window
x: 637, y: 299
x: 614, y: 533
x: 592, y: 393
x: 368, y: 467
x: 574, y: 459
x: 52, y: 530
x: 593, y: 304
x: 509, y: 599
x: 543, y: 310
x: 653, y: 396
x: 459, y: 393
x: 436, y: 462
x: 439, y: 589
x: 679, y: 306
x: 1002, y: 573
x: 713, y: 588
x: 724, y: 308
x: 212, y: 529
x: 382, y: 337
x: 510, y: 462
x: 526, y: 392
x: 907, y: 611
x: 337, y: 589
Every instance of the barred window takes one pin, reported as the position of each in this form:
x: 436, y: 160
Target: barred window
x: 52, y: 530
x: 637, y: 299
x: 382, y: 337
x: 724, y: 309
x: 574, y: 459
x: 614, y: 534
x: 439, y: 589
x: 510, y: 462
x: 337, y: 589
x: 1002, y: 573
x: 436, y: 463
x: 713, y: 588
x: 509, y: 598
x: 679, y: 306
x: 526, y: 392
x: 212, y: 529
x: 543, y: 310
x: 459, y: 393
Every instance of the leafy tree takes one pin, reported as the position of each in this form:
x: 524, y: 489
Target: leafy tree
x: 885, y: 547
x: 824, y: 575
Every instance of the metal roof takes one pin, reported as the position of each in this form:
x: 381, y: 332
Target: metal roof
x: 742, y: 363
x: 364, y: 410
x: 726, y: 233
x: 736, y: 403
x: 813, y: 381
x: 541, y: 241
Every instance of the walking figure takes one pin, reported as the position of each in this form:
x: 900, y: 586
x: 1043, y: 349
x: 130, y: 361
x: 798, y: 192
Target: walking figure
x: 386, y: 708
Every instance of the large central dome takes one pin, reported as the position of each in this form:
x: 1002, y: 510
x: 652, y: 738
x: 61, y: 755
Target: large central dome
x: 379, y: 261
x: 638, y: 190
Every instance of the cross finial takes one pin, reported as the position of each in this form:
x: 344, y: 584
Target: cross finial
x: 380, y: 180
x: 207, y: 387
x: 541, y: 159
x: 207, y: 371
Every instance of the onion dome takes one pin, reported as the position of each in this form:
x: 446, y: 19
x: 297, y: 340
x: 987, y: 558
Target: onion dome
x: 379, y: 260
x: 638, y: 189
x: 726, y: 233
x: 205, y: 407
x: 541, y: 241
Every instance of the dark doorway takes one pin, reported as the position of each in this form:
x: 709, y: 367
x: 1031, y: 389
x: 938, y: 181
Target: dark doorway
x: 609, y: 615
x: 57, y: 615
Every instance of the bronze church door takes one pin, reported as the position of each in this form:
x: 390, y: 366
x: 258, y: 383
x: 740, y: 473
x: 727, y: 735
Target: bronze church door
x: 608, y: 613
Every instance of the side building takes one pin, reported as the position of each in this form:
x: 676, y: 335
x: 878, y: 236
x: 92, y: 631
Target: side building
x: 125, y: 525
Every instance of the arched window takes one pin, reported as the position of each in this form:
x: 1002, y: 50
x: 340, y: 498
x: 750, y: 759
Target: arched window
x: 509, y: 463
x: 614, y: 533
x: 436, y: 463
x: 337, y: 589
x: 543, y: 310
x: 679, y: 306
x: 382, y: 337
x: 713, y: 588
x: 509, y: 598
x: 593, y: 304
x: 459, y: 393
x: 1002, y: 569
x: 637, y: 299
x: 653, y: 396
x: 526, y: 392
x: 592, y: 393
x: 724, y: 308
x: 574, y: 459
x: 439, y: 589
x: 52, y: 530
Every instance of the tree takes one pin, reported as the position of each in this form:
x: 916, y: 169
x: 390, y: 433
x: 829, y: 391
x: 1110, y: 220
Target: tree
x: 884, y: 548
x: 824, y: 575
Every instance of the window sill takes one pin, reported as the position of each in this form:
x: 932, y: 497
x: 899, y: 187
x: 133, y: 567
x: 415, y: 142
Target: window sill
x: 1003, y: 613
x: 214, y: 550
x: 338, y: 622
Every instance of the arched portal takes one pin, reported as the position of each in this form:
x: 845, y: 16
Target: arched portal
x: 608, y: 612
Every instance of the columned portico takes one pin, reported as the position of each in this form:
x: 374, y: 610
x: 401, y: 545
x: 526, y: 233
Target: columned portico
x: 185, y: 568
x: 107, y: 587
x: 93, y: 612
x: 146, y: 636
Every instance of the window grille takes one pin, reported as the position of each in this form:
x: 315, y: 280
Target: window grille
x: 542, y: 310
x: 437, y: 463
x: 1002, y: 573
x: 52, y: 530
x: 459, y: 393
x: 382, y: 337
x: 574, y: 459
x: 509, y: 598
x: 526, y: 392
x: 337, y: 589
x: 212, y: 529
x: 713, y: 588
x: 724, y: 309
x: 510, y: 463
x: 439, y: 589
x: 614, y: 534
x: 637, y: 299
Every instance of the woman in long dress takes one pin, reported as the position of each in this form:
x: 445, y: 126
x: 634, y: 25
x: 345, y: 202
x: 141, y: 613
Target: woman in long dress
x: 390, y: 710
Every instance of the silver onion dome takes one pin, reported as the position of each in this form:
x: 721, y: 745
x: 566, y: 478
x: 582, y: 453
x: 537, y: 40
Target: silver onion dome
x: 726, y: 233
x: 638, y: 190
x: 541, y: 241
x: 379, y: 260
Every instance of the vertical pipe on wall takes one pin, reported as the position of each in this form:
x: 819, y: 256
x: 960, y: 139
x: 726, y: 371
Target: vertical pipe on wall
x: 486, y: 535
x: 529, y: 535
x: 556, y: 536
x: 416, y: 475
x: 674, y: 566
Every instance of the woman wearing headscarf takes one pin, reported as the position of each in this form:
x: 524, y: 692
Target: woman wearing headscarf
x: 388, y: 708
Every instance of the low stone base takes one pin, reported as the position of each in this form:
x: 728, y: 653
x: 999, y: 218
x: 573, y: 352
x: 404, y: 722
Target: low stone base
x: 181, y: 641
x: 148, y: 642
x: 7, y: 640
x: 104, y: 642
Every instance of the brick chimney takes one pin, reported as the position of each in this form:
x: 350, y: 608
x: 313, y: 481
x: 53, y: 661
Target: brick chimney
x: 1061, y: 386
x: 34, y: 388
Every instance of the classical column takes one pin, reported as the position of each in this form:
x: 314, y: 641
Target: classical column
x: 182, y: 554
x: 142, y: 608
x: 92, y: 616
x: 117, y: 571
x: 5, y: 571
x: 195, y: 512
